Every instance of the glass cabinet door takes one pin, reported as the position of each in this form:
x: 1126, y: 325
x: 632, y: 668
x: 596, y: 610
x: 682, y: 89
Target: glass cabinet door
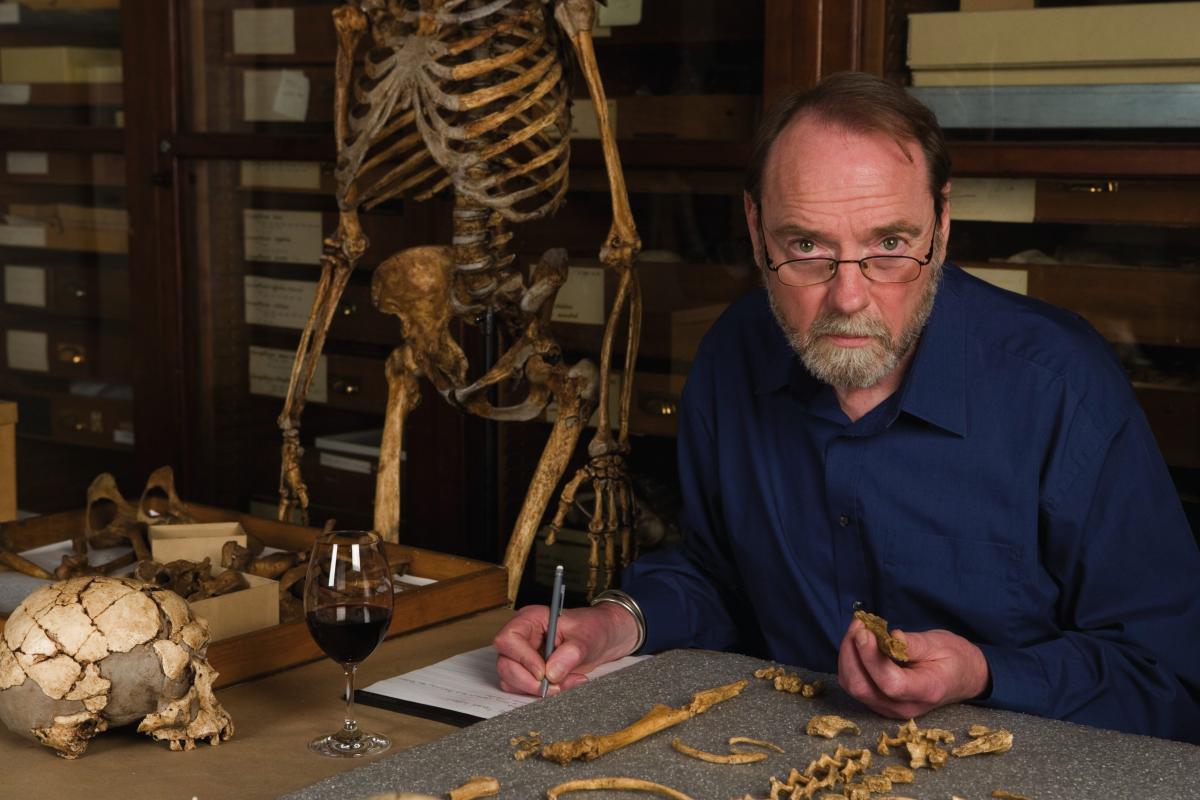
x: 65, y: 314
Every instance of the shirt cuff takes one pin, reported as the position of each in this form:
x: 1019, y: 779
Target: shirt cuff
x: 1017, y: 680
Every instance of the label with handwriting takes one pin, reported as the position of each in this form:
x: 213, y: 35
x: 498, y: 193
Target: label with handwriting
x: 278, y: 302
x: 289, y: 237
x: 271, y: 370
x: 264, y: 31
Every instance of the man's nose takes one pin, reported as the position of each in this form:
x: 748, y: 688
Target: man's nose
x: 849, y: 290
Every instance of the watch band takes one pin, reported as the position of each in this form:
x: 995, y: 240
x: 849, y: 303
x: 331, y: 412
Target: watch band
x: 629, y: 604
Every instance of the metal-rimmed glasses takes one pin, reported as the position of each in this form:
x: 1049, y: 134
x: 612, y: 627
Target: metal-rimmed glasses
x: 799, y: 272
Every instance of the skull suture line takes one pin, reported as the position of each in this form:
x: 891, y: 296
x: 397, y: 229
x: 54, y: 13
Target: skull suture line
x: 87, y: 654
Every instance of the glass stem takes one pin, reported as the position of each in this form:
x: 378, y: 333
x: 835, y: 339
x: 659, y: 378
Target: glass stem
x: 350, y: 728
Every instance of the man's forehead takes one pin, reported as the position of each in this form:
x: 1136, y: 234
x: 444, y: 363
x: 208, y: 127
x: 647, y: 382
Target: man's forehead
x: 807, y: 140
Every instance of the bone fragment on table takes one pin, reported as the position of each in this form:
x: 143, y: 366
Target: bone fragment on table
x: 733, y: 757
x: 614, y: 783
x: 756, y: 742
x: 921, y: 744
x: 790, y: 682
x: 1003, y: 794
x: 830, y: 725
x: 893, y: 648
x: 997, y: 741
x: 526, y: 746
x: 20, y: 564
x: 227, y: 582
x: 476, y: 787
x: 898, y: 774
x: 110, y: 520
x: 77, y: 565
x: 160, y: 504
x: 660, y: 717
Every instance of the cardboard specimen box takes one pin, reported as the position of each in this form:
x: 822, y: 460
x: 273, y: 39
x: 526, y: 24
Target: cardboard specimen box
x: 194, y: 542
x: 250, y: 609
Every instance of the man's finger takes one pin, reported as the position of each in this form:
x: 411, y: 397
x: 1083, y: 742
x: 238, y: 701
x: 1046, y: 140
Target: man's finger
x: 564, y: 660
x: 515, y: 678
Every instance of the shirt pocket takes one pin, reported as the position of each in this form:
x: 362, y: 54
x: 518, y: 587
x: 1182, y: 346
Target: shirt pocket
x: 966, y: 586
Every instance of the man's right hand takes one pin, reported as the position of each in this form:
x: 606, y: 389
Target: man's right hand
x: 585, y: 639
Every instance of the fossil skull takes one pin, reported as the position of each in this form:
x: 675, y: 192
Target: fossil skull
x: 83, y: 655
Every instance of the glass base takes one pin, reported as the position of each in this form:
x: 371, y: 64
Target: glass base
x: 335, y: 746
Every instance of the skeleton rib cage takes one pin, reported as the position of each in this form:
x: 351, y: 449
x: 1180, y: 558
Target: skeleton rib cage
x: 471, y: 95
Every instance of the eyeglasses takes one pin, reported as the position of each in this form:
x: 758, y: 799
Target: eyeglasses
x: 798, y: 272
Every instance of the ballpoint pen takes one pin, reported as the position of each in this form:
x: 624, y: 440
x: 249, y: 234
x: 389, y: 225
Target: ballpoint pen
x: 556, y: 604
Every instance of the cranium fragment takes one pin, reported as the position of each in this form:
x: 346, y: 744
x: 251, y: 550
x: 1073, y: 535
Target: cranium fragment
x: 90, y: 653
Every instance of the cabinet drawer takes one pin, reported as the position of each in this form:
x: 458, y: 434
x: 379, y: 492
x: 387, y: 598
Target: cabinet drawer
x: 94, y: 421
x: 1124, y: 202
x: 91, y: 292
x: 356, y: 384
x: 67, y: 353
x: 358, y: 320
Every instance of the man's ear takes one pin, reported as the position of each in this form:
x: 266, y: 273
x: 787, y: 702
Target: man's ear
x: 944, y: 222
x: 752, y: 226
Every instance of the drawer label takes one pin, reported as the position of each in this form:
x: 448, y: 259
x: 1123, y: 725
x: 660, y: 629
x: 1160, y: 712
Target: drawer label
x: 17, y: 233
x: 581, y: 298
x: 277, y: 302
x: 264, y: 31
x: 27, y: 350
x: 271, y: 369
x: 288, y: 237
x: 275, y: 95
x: 26, y: 163
x: 280, y: 175
x: 25, y: 286
x: 993, y: 199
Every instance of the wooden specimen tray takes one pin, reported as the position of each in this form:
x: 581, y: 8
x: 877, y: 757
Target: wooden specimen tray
x: 462, y: 587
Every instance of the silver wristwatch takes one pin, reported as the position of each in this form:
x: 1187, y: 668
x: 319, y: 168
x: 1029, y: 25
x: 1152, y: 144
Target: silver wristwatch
x: 629, y: 604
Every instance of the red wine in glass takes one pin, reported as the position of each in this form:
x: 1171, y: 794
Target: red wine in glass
x: 348, y: 632
x: 348, y: 606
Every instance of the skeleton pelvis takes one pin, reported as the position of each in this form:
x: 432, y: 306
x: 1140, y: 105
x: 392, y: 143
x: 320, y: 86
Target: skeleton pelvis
x: 416, y: 285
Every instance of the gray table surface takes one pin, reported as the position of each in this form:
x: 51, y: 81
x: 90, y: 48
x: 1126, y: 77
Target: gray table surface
x: 1049, y: 759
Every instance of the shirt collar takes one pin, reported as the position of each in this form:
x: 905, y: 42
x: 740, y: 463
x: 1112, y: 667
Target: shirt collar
x: 934, y: 389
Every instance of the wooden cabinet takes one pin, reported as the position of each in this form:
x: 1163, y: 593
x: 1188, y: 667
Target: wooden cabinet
x: 165, y: 222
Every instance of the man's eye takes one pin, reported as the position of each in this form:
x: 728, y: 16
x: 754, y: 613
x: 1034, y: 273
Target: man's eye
x: 890, y: 242
x: 805, y: 245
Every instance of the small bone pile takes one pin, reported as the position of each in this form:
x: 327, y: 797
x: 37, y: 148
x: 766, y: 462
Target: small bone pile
x: 922, y: 744
x: 790, y: 682
x: 846, y: 767
x: 191, y: 580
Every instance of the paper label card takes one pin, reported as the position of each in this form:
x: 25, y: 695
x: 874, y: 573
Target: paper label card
x: 993, y: 199
x: 279, y: 95
x: 334, y: 461
x: 271, y: 369
x: 619, y: 12
x: 25, y: 286
x: 15, y: 94
x: 289, y: 237
x: 264, y: 31
x: 27, y: 350
x: 280, y: 175
x: 20, y: 233
x: 22, y: 163
x: 581, y: 298
x: 277, y: 302
x: 10, y: 13
x: 585, y: 125
x: 1014, y: 280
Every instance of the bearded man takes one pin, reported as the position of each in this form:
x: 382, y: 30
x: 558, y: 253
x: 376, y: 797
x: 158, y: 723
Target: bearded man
x: 877, y: 426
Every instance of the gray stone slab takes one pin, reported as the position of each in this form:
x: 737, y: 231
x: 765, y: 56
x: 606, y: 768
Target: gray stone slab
x: 1049, y: 759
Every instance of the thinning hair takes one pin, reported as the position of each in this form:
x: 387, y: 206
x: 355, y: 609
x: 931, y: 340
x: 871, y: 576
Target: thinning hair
x: 860, y: 103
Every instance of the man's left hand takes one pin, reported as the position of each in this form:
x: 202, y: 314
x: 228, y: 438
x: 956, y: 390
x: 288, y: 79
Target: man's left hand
x: 942, y: 668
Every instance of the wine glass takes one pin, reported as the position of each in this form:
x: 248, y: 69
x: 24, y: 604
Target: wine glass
x: 348, y: 605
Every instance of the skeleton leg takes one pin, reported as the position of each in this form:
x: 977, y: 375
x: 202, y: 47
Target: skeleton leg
x: 342, y: 252
x: 404, y: 394
x: 576, y: 399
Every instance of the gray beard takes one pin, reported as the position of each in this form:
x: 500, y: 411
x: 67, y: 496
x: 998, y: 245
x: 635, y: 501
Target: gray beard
x: 856, y: 367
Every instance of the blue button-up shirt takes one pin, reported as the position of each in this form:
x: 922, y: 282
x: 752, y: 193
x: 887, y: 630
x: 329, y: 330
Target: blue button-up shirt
x: 1010, y: 491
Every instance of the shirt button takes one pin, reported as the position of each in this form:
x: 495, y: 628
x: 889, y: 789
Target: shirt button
x: 843, y: 520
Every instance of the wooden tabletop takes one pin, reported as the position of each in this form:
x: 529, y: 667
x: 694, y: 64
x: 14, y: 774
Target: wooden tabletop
x: 274, y: 718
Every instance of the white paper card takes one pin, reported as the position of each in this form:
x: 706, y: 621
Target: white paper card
x: 585, y: 125
x: 27, y: 350
x: 25, y: 286
x: 334, y: 461
x: 993, y: 199
x: 264, y: 31
x: 271, y: 369
x: 280, y: 175
x: 619, y: 12
x: 10, y: 13
x: 123, y: 436
x: 17, y: 233
x: 278, y: 95
x: 1014, y: 280
x: 15, y: 94
x: 289, y: 237
x: 25, y: 163
x: 277, y: 302
x: 581, y: 298
x: 467, y: 683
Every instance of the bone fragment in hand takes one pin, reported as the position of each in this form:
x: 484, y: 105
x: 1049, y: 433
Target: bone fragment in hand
x: 734, y: 757
x: 620, y: 784
x: 893, y: 648
x: 997, y: 741
x: 830, y: 725
x: 476, y: 787
x: 590, y: 747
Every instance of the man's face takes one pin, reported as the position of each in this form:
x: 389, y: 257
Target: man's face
x: 831, y: 193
